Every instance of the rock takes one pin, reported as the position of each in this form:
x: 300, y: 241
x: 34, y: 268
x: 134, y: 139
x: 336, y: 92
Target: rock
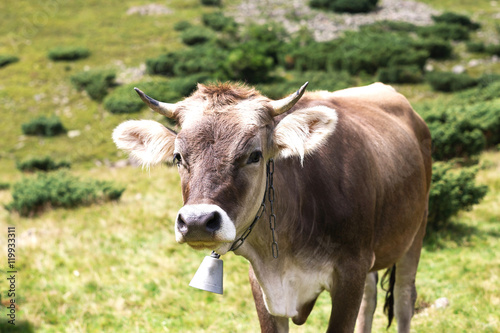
x: 120, y: 164
x: 441, y: 303
x: 458, y: 69
x: 151, y: 9
x: 474, y: 63
x: 74, y: 133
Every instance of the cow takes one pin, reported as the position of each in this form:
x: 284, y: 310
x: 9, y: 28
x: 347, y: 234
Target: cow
x: 347, y: 177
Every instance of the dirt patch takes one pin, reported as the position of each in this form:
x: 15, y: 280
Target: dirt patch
x: 296, y: 15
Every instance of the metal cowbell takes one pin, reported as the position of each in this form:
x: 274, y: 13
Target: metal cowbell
x: 209, y: 275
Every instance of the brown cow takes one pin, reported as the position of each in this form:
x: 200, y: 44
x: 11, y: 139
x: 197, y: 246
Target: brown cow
x: 351, y: 183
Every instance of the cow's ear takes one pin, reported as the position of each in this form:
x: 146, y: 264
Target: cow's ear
x: 303, y: 131
x: 147, y: 141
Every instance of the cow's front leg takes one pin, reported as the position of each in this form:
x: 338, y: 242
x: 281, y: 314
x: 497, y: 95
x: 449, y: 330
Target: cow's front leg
x: 268, y: 322
x: 346, y: 298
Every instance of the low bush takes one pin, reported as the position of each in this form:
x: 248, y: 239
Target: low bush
x: 450, y: 82
x: 68, y: 53
x: 44, y: 126
x: 162, y: 65
x: 205, y: 58
x: 318, y: 80
x: 444, y: 31
x: 476, y: 47
x: 218, y: 22
x: 365, y: 51
x: 400, y: 74
x: 345, y: 6
x: 182, y: 25
x: 437, y: 48
x: 452, y: 190
x: 455, y: 135
x: 60, y: 189
x: 7, y: 60
x: 248, y: 63
x: 125, y: 100
x: 486, y: 80
x: 4, y: 186
x: 493, y: 49
x: 95, y: 82
x: 184, y: 86
x: 211, y: 2
x: 45, y: 163
x: 453, y: 18
x: 196, y: 35
x: 486, y: 117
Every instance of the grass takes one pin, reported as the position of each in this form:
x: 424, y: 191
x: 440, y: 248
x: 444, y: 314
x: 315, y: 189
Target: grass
x: 116, y: 267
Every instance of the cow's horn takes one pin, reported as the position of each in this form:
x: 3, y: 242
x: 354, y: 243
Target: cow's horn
x: 166, y: 109
x: 285, y: 104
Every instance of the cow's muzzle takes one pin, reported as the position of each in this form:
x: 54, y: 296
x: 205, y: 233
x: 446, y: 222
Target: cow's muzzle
x: 204, y: 226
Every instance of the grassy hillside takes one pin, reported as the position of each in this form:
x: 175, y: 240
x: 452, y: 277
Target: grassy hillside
x: 116, y: 267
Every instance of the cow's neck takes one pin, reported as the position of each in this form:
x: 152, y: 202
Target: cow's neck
x: 286, y: 281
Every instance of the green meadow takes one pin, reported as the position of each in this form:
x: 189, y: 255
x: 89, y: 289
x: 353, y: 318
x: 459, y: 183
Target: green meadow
x: 114, y: 266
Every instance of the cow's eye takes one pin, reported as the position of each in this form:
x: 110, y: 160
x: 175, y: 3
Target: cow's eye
x: 254, y: 157
x: 177, y: 159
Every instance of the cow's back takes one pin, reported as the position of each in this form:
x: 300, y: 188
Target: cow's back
x: 373, y: 175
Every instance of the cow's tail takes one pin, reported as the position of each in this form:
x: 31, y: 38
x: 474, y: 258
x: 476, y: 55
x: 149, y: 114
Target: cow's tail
x: 389, y: 289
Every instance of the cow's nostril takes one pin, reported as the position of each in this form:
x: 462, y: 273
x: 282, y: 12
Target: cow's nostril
x: 214, y: 223
x: 181, y: 224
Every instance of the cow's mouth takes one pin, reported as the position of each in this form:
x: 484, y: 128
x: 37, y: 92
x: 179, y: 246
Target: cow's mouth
x: 204, y: 245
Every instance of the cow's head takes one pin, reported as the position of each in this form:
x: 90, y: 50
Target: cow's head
x: 228, y: 132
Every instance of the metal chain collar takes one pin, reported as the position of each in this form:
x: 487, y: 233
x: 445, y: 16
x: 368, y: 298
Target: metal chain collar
x: 272, y: 217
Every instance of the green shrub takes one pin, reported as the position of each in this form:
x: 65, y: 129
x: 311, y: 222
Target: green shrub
x: 44, y: 126
x: 384, y: 26
x: 476, y: 47
x: 453, y: 18
x: 68, y: 53
x: 450, y: 82
x: 7, y: 60
x: 60, y: 189
x: 206, y: 58
x: 125, y: 100
x: 452, y: 190
x: 248, y: 63
x: 365, y: 51
x: 487, y: 79
x: 184, y: 86
x: 455, y: 136
x: 218, y: 22
x: 345, y: 6
x: 45, y: 163
x: 182, y: 25
x: 444, y: 31
x: 269, y: 37
x: 4, y: 186
x: 211, y: 2
x: 414, y: 58
x: 163, y: 64
x: 493, y: 49
x: 486, y: 117
x: 437, y: 48
x: 95, y: 82
x: 318, y: 80
x: 400, y: 74
x: 484, y: 91
x: 196, y: 35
